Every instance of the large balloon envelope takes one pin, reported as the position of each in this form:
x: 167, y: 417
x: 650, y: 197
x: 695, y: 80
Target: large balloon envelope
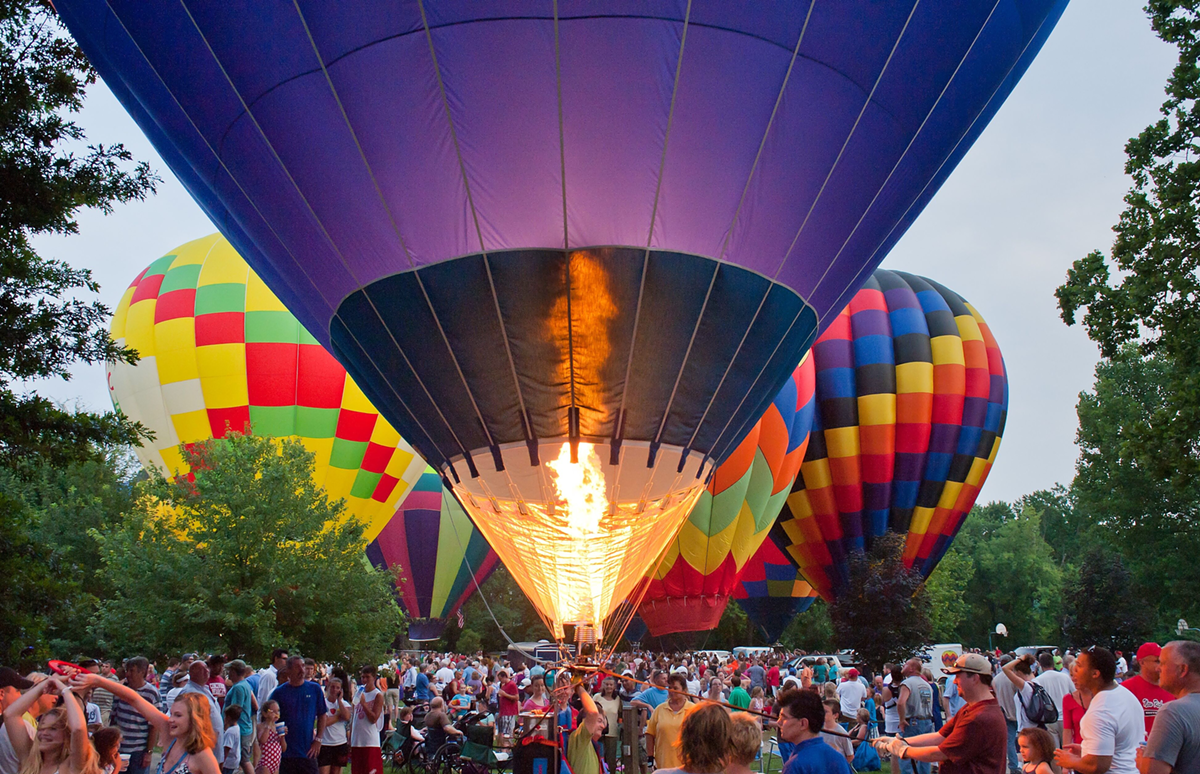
x: 771, y: 589
x: 600, y: 233
x: 440, y: 558
x: 698, y: 571
x: 219, y: 352
x: 912, y: 397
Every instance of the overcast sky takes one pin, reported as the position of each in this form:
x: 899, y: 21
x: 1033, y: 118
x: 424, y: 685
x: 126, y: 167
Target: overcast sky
x: 1042, y: 187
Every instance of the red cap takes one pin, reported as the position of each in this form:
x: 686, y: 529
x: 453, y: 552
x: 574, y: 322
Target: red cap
x: 1149, y: 649
x: 853, y: 673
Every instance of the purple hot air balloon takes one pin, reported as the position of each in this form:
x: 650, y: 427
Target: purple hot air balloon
x: 608, y: 225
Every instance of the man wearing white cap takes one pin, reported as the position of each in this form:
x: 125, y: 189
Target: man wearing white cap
x: 975, y: 740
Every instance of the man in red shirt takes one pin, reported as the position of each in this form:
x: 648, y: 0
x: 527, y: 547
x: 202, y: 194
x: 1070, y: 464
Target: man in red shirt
x: 975, y: 740
x: 1145, y: 685
x: 509, y: 696
x: 773, y: 678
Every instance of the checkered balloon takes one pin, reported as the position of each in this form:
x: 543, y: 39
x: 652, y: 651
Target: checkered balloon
x: 219, y: 352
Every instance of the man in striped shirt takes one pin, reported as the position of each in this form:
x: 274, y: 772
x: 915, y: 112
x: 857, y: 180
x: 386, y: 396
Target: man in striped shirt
x: 138, y: 737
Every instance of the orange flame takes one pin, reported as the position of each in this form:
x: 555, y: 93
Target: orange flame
x: 582, y: 492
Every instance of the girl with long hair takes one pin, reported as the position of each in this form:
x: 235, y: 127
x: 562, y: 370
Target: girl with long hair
x: 61, y: 744
x: 187, y: 730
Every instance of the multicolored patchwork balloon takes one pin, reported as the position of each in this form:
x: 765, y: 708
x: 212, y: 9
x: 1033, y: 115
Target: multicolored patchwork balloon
x: 700, y: 568
x: 219, y: 352
x: 771, y: 590
x: 440, y: 556
x: 912, y: 397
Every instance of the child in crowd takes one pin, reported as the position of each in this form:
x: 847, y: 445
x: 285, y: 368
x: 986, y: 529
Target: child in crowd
x: 1036, y: 746
x: 231, y: 740
x: 107, y: 742
x: 270, y: 740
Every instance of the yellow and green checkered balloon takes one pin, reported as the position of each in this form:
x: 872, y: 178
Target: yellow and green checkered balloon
x: 219, y: 352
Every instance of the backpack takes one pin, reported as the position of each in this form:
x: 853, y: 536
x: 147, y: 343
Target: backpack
x: 1041, y: 708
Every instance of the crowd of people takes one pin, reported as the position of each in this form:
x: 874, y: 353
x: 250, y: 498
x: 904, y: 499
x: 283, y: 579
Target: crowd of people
x: 1086, y: 712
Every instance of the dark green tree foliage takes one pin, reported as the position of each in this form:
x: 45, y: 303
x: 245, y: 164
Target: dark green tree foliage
x: 1154, y: 523
x: 32, y: 589
x: 1155, y: 300
x: 1104, y: 606
x: 812, y: 630
x: 882, y: 612
x: 512, y: 609
x: 248, y: 556
x: 57, y: 509
x: 47, y: 174
x: 947, y: 590
x: 1016, y: 581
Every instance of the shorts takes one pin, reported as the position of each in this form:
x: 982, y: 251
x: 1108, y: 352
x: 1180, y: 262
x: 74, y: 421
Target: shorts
x: 333, y: 755
x: 366, y: 760
x: 298, y: 765
x: 505, y: 725
x: 248, y: 747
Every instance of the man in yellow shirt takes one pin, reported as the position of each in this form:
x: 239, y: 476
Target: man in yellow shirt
x: 662, y: 732
x: 581, y: 745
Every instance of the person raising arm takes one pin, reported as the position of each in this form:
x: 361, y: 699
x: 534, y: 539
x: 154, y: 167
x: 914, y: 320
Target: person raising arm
x: 61, y: 744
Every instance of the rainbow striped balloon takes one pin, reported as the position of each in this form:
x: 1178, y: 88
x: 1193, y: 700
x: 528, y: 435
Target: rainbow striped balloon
x: 699, y: 569
x: 440, y: 555
x: 911, y: 402
x: 219, y: 352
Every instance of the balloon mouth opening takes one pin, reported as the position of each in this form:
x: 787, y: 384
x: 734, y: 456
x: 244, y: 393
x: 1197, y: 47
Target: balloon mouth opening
x: 578, y: 532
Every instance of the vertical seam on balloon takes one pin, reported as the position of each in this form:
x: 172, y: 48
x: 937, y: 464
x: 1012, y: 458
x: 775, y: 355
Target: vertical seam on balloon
x: 353, y: 135
x: 562, y: 163
x: 912, y: 141
x: 737, y: 211
x: 637, y: 314
x: 249, y: 200
x: 462, y: 168
x: 395, y: 228
x: 948, y: 156
x: 853, y: 128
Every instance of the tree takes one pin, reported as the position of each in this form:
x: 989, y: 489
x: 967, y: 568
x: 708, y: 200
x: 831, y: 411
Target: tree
x: 882, y: 611
x: 513, y: 612
x: 1103, y: 605
x: 54, y: 510
x: 246, y: 555
x: 1153, y: 522
x: 811, y: 630
x: 1016, y: 580
x: 45, y: 325
x: 947, y: 590
x: 1157, y: 256
x: 32, y: 589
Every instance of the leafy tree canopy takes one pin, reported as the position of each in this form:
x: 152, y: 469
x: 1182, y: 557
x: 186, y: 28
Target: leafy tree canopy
x: 1155, y: 300
x: 882, y: 611
x: 1104, y: 606
x: 246, y: 556
x: 48, y: 174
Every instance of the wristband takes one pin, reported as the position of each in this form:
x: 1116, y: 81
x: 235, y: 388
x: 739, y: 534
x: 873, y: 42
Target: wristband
x: 904, y: 754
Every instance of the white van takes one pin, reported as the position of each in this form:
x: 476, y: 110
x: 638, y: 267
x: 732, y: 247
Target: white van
x: 938, y: 657
x: 748, y: 652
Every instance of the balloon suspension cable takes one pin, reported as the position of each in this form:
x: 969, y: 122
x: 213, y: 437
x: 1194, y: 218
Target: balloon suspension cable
x: 470, y: 569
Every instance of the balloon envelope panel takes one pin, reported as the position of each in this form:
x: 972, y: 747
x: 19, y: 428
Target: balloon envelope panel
x: 438, y: 554
x: 219, y: 352
x: 701, y: 567
x: 911, y: 397
x: 508, y: 220
x: 771, y: 589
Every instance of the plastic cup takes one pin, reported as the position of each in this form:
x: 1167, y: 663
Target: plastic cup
x: 281, y: 728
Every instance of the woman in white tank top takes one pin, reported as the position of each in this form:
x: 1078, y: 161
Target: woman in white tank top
x: 366, y: 723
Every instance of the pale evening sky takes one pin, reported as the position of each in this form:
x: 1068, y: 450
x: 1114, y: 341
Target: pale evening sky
x: 1042, y: 187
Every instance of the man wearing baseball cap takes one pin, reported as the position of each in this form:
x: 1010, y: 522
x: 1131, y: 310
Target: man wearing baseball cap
x: 1144, y: 685
x: 975, y: 740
